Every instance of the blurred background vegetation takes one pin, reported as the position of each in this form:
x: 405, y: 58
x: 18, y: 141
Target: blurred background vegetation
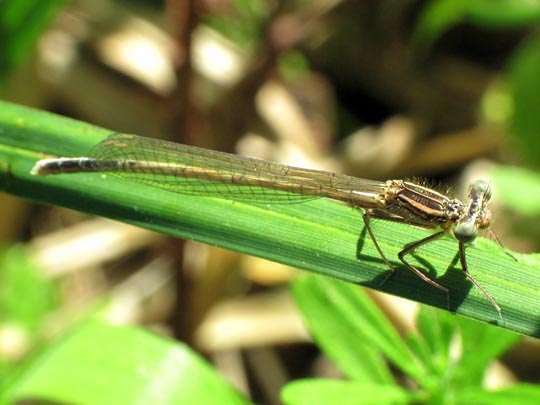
x: 443, y: 89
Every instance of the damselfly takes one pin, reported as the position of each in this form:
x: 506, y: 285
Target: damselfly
x: 191, y: 170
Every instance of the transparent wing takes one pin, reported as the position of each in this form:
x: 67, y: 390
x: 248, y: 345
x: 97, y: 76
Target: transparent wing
x: 191, y: 170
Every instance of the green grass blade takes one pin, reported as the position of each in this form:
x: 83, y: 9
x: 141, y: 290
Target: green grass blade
x: 319, y: 236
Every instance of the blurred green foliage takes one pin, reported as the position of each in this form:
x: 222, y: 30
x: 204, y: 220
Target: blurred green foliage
x: 438, y: 16
x: 515, y: 104
x: 21, y: 23
x: 132, y: 366
x: 244, y: 24
x: 446, y: 359
x: 26, y: 295
x: 27, y: 298
x: 524, y: 82
x: 511, y: 179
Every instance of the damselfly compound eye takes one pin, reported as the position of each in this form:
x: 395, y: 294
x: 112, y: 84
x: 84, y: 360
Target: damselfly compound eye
x: 466, y: 232
x: 480, y: 186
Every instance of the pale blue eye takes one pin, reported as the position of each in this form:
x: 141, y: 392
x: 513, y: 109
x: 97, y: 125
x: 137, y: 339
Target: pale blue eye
x: 466, y: 232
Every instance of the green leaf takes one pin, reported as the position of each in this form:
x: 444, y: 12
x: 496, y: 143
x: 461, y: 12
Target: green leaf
x: 503, y: 13
x: 480, y: 345
x: 21, y: 23
x: 320, y: 236
x: 438, y: 16
x: 330, y: 392
x: 432, y: 343
x: 102, y: 364
x: 349, y: 338
x: 519, y: 394
x: 457, y: 350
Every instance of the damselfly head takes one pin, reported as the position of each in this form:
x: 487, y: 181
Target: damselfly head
x: 476, y: 215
